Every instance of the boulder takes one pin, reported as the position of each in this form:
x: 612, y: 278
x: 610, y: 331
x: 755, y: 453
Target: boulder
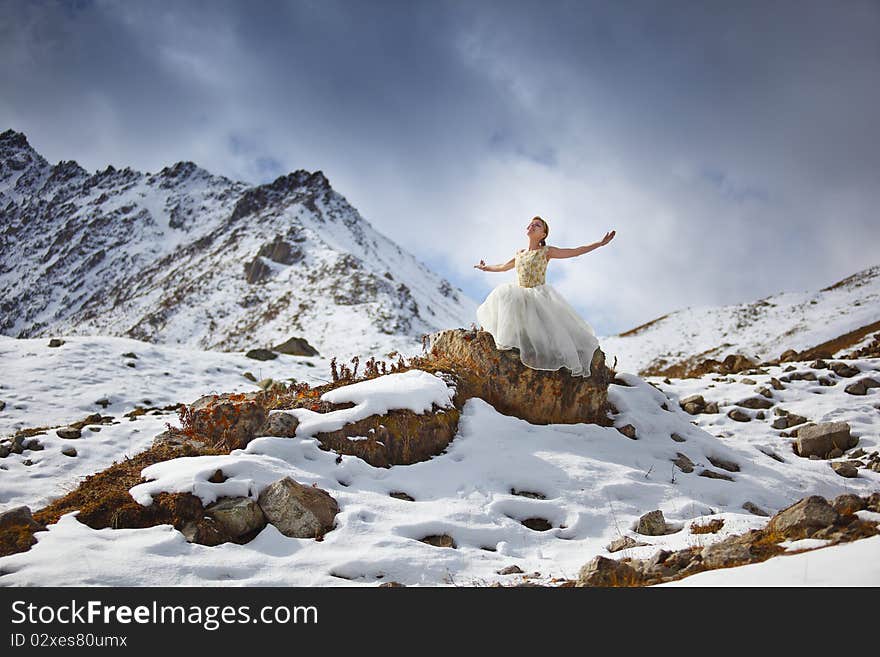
x: 68, y: 433
x: 652, y: 524
x: 298, y: 511
x: 602, y: 571
x: 296, y: 347
x: 848, y: 503
x: 500, y: 378
x: 238, y: 516
x: 738, y: 415
x: 803, y: 518
x: 819, y: 439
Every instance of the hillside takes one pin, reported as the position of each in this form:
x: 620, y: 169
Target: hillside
x: 839, y: 318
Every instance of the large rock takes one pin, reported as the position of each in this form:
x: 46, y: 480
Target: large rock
x: 652, y: 524
x: 298, y: 511
x: 296, y: 347
x: 500, y: 378
x: 803, y: 518
x: 819, y: 439
x: 229, y: 421
x: 238, y: 516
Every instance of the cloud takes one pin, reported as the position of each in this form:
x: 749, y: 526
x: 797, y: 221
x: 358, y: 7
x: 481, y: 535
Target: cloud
x: 733, y: 147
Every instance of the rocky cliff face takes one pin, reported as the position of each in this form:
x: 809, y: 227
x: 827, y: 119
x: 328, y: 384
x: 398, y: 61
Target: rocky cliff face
x: 184, y: 256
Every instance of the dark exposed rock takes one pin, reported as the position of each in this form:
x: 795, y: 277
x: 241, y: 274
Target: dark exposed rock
x: 754, y: 509
x: 281, y: 424
x: 848, y: 503
x: 230, y: 420
x: 296, y: 347
x: 237, y: 516
x: 439, y: 540
x: 738, y: 415
x: 68, y: 433
x: 846, y: 469
x: 56, y: 342
x: 711, y: 474
x: 629, y: 431
x: 683, y: 462
x: 755, y: 402
x: 261, y: 354
x: 510, y: 570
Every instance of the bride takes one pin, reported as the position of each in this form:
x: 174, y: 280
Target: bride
x: 532, y: 316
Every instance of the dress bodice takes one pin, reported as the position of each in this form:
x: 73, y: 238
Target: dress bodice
x: 531, y: 267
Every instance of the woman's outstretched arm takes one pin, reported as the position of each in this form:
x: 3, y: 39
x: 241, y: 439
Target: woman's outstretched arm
x: 556, y: 252
x: 505, y: 267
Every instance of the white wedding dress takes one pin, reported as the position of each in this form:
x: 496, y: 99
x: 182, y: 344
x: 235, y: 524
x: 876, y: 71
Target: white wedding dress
x: 532, y: 316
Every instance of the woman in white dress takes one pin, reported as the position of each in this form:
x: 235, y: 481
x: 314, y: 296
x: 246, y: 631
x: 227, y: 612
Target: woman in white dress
x: 532, y: 316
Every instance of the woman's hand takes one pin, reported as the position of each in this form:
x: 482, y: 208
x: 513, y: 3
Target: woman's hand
x: 482, y: 266
x: 608, y: 237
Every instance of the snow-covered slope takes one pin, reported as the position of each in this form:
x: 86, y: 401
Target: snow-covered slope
x: 594, y: 481
x: 186, y: 257
x: 761, y: 330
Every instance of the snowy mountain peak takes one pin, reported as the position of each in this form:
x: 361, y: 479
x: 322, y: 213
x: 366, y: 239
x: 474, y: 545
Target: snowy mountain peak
x: 192, y: 258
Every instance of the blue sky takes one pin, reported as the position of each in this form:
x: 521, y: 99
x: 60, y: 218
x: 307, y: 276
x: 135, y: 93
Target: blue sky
x: 733, y: 146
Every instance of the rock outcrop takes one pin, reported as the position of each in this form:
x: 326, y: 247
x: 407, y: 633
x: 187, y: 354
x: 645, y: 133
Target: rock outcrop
x: 500, y: 378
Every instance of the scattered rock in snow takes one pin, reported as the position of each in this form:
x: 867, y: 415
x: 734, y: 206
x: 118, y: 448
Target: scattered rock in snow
x: 755, y: 402
x: 402, y: 496
x: 68, y: 433
x: 862, y: 386
x: 724, y: 464
x: 711, y: 474
x: 843, y: 369
x: 819, y: 439
x: 754, y: 509
x: 683, y: 463
x: 624, y: 543
x: 261, y: 354
x: 848, y: 503
x: 652, y: 524
x: 230, y: 420
x: 439, y: 540
x: 56, y: 342
x: 629, y: 431
x: 537, y: 524
x: 250, y: 377
x: 296, y: 347
x: 510, y: 570
x: 298, y: 511
x: 69, y: 451
x: 846, y: 469
x: 738, y: 415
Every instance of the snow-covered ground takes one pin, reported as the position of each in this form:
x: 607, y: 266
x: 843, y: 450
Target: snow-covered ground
x: 595, y: 482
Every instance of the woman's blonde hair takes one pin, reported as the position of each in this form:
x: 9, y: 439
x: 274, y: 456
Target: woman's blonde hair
x: 546, y: 230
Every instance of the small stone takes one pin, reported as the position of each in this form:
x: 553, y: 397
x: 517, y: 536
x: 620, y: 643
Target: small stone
x: 754, y: 509
x: 759, y: 415
x: 250, y: 377
x: 261, y: 354
x: 711, y: 474
x: 747, y: 381
x: 845, y: 469
x: 537, y: 524
x: 4, y: 451
x: 402, y: 496
x: 652, y: 524
x: 69, y: 451
x: 629, y: 431
x: 624, y: 543
x: 2, y: 405
x: 68, y: 433
x: 858, y: 453
x: 56, y: 342
x: 765, y: 392
x: 780, y: 423
x: 755, y: 402
x: 510, y: 570
x: 738, y: 415
x: 711, y: 407
x: 677, y: 438
x: 724, y: 464
x: 835, y: 453
x: 683, y: 462
x: 103, y: 402
x: 129, y: 354
x: 776, y: 383
x: 819, y: 364
x: 439, y: 540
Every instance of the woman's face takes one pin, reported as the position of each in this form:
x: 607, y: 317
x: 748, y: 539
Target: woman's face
x: 536, y: 228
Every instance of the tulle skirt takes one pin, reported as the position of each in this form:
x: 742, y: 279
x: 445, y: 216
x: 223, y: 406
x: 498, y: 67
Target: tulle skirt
x: 539, y: 322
